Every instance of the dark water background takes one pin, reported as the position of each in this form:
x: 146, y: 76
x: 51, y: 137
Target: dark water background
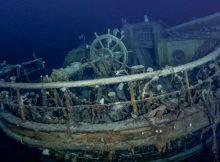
x: 50, y: 28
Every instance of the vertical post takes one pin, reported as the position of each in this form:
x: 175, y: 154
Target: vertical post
x: 133, y: 101
x: 188, y: 88
x: 21, y: 105
x: 44, y: 98
x: 2, y: 106
x: 68, y: 101
x: 26, y: 74
x: 1, y: 102
x: 56, y: 97
x: 217, y: 69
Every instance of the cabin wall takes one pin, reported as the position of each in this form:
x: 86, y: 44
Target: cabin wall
x: 141, y: 38
x: 176, y: 52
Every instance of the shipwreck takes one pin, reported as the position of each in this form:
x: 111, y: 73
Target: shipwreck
x: 146, y: 92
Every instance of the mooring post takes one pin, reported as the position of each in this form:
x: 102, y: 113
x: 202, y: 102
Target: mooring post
x: 188, y: 87
x: 133, y: 101
x: 21, y: 105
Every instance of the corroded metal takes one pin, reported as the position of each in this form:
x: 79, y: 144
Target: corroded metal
x: 132, y: 95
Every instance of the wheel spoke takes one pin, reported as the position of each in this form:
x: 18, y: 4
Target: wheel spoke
x: 107, y: 46
x: 113, y: 48
x: 118, y: 53
x: 109, y: 31
x: 97, y: 37
x: 122, y: 37
x: 109, y: 42
x: 100, y: 42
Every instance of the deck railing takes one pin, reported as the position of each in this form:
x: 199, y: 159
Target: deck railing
x: 68, y: 102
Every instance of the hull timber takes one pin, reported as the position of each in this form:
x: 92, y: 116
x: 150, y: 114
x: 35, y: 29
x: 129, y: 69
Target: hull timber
x: 135, y: 114
x: 130, y: 139
x: 157, y: 134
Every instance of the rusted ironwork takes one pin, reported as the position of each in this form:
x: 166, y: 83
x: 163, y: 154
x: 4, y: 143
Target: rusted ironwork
x: 132, y: 95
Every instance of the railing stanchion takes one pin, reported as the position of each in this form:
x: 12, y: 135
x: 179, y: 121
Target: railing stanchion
x: 21, y: 105
x: 56, y: 97
x: 188, y: 87
x: 44, y: 98
x: 69, y: 104
x: 217, y: 69
x: 133, y: 101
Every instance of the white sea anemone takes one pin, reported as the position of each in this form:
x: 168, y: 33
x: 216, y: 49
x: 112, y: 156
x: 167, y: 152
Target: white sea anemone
x: 63, y: 89
x: 46, y: 152
x: 121, y: 86
x: 12, y: 78
x: 159, y: 87
x: 111, y: 94
x: 102, y: 101
x: 150, y: 69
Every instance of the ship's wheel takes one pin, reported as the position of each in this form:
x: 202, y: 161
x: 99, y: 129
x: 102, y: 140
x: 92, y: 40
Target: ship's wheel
x: 109, y: 46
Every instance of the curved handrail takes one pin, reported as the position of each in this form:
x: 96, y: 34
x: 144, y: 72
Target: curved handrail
x: 107, y: 81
